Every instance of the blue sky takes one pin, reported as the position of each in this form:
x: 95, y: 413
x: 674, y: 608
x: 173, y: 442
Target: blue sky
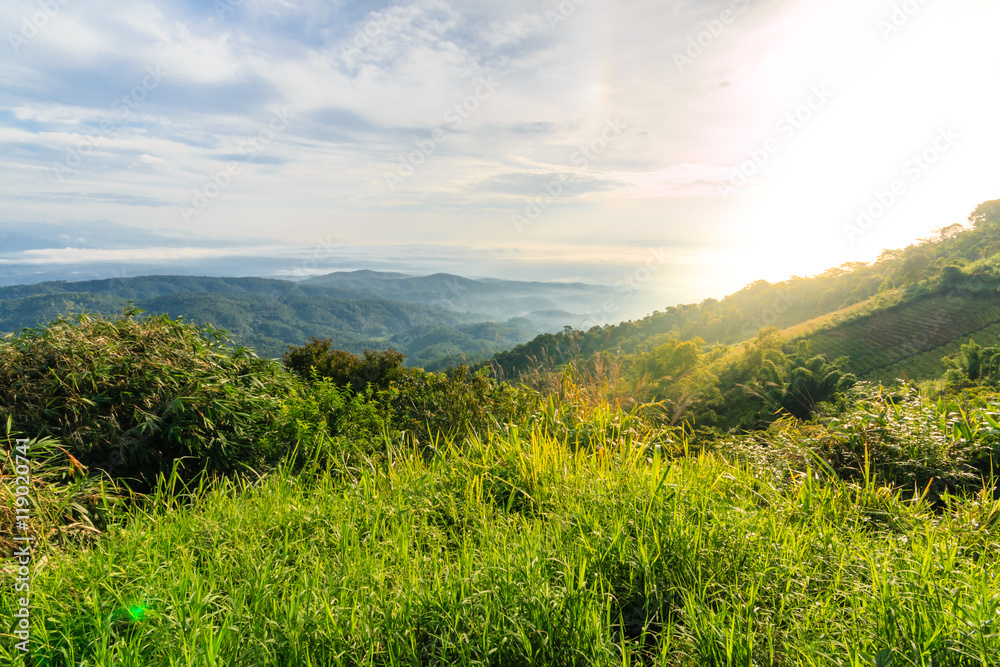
x: 575, y: 139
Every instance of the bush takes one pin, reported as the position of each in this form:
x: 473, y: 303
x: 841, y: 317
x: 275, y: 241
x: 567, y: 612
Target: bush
x: 901, y: 440
x: 323, y: 422
x: 411, y: 400
x: 131, y: 396
x: 905, y: 440
x: 455, y: 405
x: 316, y: 359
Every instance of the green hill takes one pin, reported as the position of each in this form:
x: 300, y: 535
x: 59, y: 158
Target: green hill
x: 741, y: 362
x: 500, y: 300
x: 909, y: 339
x: 270, y: 315
x: 892, y: 315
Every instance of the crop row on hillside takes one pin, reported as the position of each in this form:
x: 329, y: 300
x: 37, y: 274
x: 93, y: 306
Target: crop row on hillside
x: 929, y: 364
x: 909, y: 331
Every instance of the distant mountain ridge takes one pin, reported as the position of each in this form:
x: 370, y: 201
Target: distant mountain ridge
x: 499, y: 299
x: 407, y: 313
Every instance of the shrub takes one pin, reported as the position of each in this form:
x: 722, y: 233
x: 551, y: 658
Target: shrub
x: 130, y: 395
x: 905, y: 440
x: 411, y: 400
x: 458, y: 404
x: 316, y: 359
x: 322, y: 422
x: 901, y: 440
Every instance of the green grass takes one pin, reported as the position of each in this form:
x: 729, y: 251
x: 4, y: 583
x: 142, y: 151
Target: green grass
x: 912, y: 336
x: 928, y: 364
x: 348, y: 529
x: 526, y: 550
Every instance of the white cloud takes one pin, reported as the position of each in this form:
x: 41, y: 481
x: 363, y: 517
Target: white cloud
x: 363, y: 101
x: 87, y: 255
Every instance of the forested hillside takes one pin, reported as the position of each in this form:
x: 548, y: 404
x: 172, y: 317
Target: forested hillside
x: 500, y: 300
x: 959, y: 266
x: 734, y: 362
x: 270, y: 315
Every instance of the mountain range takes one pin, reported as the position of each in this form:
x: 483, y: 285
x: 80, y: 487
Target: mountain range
x: 437, y: 321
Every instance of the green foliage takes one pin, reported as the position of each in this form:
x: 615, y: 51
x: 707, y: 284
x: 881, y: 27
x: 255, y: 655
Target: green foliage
x: 421, y: 404
x: 896, y: 439
x: 323, y: 423
x: 374, y: 369
x: 463, y: 403
x: 973, y: 365
x: 65, y: 506
x: 677, y: 377
x: 811, y: 381
x: 764, y: 382
x: 527, y: 530
x: 131, y: 396
x: 523, y: 550
x: 676, y: 382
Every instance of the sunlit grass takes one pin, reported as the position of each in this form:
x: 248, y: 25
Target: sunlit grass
x: 526, y: 549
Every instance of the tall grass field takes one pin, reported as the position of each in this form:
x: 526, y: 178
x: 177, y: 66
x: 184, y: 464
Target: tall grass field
x: 457, y: 521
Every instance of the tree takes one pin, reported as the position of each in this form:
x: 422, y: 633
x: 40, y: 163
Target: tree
x: 952, y: 275
x: 765, y: 382
x: 973, y: 364
x: 987, y: 214
x: 950, y: 232
x: 378, y: 369
x: 914, y: 266
x: 811, y: 381
x: 675, y: 376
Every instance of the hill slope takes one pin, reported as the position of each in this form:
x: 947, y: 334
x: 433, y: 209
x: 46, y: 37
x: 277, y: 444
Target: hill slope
x: 498, y: 299
x: 898, y: 315
x: 908, y: 340
x: 270, y: 315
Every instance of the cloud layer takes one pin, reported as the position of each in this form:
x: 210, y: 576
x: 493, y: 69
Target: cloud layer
x: 548, y: 129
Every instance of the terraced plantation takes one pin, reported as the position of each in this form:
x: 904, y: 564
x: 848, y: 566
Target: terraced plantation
x: 911, y: 337
x: 928, y: 364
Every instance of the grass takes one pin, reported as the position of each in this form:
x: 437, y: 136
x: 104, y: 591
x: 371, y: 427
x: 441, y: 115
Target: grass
x: 455, y: 521
x: 524, y: 549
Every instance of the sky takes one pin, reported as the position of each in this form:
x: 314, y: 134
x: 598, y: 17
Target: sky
x: 685, y: 147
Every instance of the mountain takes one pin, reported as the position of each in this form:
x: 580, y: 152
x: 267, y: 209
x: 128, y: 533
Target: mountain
x: 269, y: 315
x: 498, y: 299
